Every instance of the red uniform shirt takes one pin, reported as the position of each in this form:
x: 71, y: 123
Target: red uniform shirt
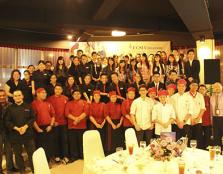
x: 59, y: 103
x: 44, y: 112
x: 97, y: 111
x: 76, y: 108
x: 113, y: 110
x: 126, y: 104
x: 206, y: 119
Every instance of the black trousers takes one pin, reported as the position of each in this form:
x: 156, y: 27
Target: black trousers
x: 75, y: 138
x: 45, y: 140
x: 144, y: 135
x: 8, y: 153
x: 115, y: 138
x: 218, y: 130
x: 184, y: 132
x: 1, y: 151
x: 61, y: 141
x: 196, y: 131
x: 18, y: 149
x: 207, y: 132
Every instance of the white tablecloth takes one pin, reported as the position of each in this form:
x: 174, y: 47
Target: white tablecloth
x: 141, y: 163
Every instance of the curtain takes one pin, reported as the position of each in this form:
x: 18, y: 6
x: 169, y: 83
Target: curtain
x: 7, y: 63
x: 20, y: 58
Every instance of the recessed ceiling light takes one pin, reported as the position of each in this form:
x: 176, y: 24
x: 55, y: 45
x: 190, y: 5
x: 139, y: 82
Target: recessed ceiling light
x: 117, y: 33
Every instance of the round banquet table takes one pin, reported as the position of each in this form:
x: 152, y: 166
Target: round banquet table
x: 141, y: 163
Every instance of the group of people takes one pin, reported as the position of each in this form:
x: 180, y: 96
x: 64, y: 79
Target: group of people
x: 53, y: 107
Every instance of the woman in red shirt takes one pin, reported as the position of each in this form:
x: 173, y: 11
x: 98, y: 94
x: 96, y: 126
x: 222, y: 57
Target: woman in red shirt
x: 97, y: 117
x: 114, y: 117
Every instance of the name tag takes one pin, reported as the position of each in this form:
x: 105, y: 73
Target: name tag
x: 45, y: 74
x: 89, y: 89
x: 121, y: 88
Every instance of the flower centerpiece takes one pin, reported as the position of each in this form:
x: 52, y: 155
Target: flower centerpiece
x: 165, y: 149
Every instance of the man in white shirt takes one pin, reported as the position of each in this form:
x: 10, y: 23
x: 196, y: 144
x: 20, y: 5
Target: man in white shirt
x: 198, y: 111
x: 141, y: 110
x: 163, y: 114
x: 216, y: 108
x: 182, y: 104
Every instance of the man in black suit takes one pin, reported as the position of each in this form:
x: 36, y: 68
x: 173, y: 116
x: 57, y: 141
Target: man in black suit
x: 118, y: 86
x: 156, y: 82
x: 192, y: 67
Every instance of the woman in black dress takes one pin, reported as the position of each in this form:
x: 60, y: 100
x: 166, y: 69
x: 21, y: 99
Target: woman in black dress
x: 27, y: 87
x: 61, y: 71
x: 13, y: 84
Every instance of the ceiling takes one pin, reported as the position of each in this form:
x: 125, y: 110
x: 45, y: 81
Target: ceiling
x: 94, y: 19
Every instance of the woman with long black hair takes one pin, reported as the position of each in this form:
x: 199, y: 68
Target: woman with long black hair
x: 144, y: 68
x: 27, y: 87
x: 61, y: 71
x: 70, y: 85
x: 109, y: 68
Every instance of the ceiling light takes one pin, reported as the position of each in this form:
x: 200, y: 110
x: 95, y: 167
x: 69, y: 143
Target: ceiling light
x: 117, y: 33
x: 69, y: 37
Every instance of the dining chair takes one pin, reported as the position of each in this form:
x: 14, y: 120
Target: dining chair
x: 130, y: 137
x: 92, y: 149
x: 40, y: 163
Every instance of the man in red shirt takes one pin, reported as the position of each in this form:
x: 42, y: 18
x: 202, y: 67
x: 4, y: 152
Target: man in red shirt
x: 126, y: 104
x: 97, y: 117
x: 76, y: 111
x: 206, y: 119
x: 45, y: 117
x: 114, y: 117
x: 59, y: 102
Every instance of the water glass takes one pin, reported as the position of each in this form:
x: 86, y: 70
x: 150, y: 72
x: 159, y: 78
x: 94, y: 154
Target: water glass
x: 217, y: 152
x: 193, y: 144
x: 142, y: 144
x: 118, y: 149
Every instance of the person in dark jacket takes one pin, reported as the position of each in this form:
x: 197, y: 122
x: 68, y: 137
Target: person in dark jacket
x: 19, y: 121
x: 192, y: 67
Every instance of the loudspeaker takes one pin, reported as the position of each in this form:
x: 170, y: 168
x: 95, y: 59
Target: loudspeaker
x: 212, y: 71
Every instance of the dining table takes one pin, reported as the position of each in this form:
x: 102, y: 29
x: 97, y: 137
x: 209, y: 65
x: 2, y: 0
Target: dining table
x: 196, y: 161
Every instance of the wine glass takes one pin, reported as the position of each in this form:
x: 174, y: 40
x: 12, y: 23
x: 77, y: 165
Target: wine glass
x: 193, y: 144
x: 217, y: 152
x: 118, y: 149
x: 142, y: 144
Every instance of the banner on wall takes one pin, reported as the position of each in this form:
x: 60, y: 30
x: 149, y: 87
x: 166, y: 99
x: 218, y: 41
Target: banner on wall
x: 109, y: 48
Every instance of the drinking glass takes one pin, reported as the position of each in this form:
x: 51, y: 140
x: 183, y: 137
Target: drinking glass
x: 212, y: 153
x: 130, y: 148
x: 193, y: 144
x: 181, y: 166
x: 142, y: 144
x: 217, y: 152
x: 118, y: 149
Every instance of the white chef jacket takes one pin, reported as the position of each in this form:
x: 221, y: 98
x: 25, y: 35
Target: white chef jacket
x: 162, y: 113
x: 182, y: 105
x: 142, y: 109
x: 198, y: 104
